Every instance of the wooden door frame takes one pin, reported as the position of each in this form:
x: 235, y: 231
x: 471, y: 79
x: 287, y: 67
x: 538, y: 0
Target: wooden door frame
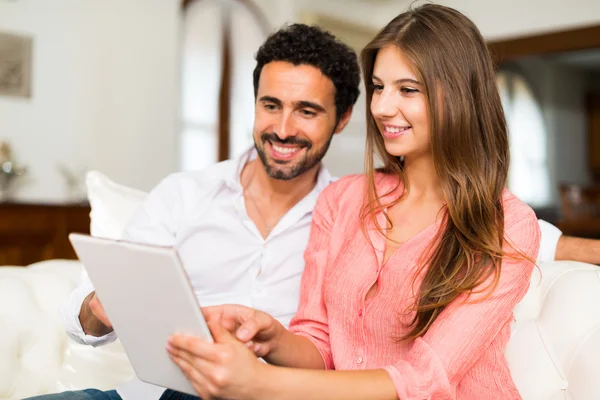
x: 546, y: 43
x: 223, y: 129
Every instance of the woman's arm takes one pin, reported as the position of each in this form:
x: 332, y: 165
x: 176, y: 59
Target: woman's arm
x: 227, y: 369
x: 302, y: 384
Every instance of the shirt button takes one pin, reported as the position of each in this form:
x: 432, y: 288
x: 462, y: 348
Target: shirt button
x: 359, y: 360
x: 360, y: 312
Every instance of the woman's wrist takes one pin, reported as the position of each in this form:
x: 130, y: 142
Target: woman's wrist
x: 261, y: 382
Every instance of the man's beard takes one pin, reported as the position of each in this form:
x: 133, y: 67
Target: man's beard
x: 309, y: 160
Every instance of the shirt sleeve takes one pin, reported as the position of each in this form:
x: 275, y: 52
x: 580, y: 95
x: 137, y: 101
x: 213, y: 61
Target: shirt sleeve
x: 436, y: 362
x: 69, y: 313
x: 550, y: 236
x: 154, y: 222
x: 311, y: 318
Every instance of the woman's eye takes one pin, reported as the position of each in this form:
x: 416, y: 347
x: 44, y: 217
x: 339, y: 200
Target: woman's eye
x: 377, y: 87
x: 408, y: 90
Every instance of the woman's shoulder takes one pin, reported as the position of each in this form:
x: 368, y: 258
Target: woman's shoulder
x: 345, y: 196
x: 515, y: 210
x: 350, y: 184
x: 346, y: 187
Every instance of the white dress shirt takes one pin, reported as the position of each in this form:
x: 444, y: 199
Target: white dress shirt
x: 203, y: 215
x: 549, y: 242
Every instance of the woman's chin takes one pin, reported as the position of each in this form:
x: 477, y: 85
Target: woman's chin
x: 396, y: 149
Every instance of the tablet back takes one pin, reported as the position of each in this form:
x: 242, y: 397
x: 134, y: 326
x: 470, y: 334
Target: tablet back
x: 147, y: 296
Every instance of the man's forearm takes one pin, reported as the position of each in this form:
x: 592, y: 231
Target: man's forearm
x: 578, y: 249
x: 90, y: 324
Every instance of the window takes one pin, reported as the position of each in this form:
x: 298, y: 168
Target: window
x: 528, y: 176
x: 203, y: 73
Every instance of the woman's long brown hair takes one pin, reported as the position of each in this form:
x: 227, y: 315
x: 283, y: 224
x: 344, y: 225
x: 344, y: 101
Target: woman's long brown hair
x: 469, y: 145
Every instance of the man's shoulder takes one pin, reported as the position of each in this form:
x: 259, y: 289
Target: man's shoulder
x: 203, y: 179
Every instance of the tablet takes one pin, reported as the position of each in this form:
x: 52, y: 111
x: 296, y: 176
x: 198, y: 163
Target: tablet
x: 147, y: 296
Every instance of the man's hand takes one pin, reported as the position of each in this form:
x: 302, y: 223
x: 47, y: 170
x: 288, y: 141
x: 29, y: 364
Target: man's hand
x: 93, y: 318
x: 258, y: 330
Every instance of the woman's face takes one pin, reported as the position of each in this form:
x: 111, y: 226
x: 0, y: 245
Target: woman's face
x: 399, y: 105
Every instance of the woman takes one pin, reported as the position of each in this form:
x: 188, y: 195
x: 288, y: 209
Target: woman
x: 408, y: 291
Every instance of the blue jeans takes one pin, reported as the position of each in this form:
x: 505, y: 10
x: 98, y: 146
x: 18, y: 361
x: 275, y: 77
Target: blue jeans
x: 88, y: 394
x: 94, y: 394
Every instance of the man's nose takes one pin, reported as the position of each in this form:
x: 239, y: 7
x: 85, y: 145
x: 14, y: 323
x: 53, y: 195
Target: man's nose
x: 285, y: 128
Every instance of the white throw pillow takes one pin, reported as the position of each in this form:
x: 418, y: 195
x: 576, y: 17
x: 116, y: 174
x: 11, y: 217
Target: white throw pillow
x: 112, y: 205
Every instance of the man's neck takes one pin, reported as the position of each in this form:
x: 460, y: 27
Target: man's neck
x: 277, y: 191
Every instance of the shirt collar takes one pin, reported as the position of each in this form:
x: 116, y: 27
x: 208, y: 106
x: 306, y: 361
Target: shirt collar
x: 233, y: 175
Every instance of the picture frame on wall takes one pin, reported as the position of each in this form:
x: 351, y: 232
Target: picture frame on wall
x: 15, y: 65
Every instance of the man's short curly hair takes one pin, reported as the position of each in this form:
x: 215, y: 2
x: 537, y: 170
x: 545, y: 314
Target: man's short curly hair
x: 300, y: 44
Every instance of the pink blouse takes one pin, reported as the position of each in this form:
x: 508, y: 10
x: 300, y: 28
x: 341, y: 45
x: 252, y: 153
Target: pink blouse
x: 462, y: 354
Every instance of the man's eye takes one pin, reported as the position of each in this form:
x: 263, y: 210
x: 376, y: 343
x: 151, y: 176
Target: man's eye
x: 308, y: 113
x: 270, y: 107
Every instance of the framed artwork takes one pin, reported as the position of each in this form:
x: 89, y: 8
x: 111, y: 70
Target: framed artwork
x: 15, y: 65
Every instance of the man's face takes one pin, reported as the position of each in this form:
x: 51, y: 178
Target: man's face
x: 295, y: 118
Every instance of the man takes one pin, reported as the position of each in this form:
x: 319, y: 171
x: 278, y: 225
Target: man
x: 241, y: 226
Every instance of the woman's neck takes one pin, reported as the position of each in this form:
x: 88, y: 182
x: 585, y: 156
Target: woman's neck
x: 422, y: 179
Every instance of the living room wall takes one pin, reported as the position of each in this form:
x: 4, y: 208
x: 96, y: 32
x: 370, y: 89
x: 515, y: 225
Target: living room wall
x: 106, y: 79
x: 495, y: 18
x: 105, y: 91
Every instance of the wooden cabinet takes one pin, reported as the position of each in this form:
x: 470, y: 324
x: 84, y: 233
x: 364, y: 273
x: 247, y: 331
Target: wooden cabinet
x: 35, y: 232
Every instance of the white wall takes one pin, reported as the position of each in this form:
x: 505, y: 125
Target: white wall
x: 106, y: 79
x: 495, y: 18
x: 278, y: 12
x: 105, y: 92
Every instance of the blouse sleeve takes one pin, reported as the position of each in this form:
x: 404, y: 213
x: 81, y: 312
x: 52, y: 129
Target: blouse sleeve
x: 311, y: 318
x: 460, y: 335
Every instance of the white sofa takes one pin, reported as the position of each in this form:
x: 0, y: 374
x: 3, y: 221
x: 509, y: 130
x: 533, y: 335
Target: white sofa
x: 36, y: 356
x: 554, y: 352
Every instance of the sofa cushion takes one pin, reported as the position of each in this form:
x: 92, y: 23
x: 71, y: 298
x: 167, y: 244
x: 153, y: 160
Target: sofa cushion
x: 33, y: 339
x: 112, y: 205
x: 554, y: 351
